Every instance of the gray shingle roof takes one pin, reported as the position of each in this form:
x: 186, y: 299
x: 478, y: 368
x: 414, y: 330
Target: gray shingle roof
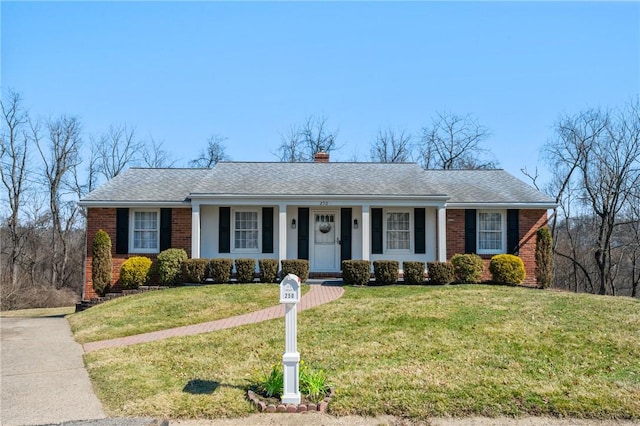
x: 304, y: 179
x: 149, y: 185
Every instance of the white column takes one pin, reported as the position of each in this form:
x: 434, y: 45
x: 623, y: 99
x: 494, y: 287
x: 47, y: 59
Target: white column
x: 282, y: 233
x: 366, y: 232
x: 195, y: 230
x: 291, y: 357
x: 442, y: 234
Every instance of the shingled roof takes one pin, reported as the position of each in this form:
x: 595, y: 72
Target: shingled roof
x: 378, y: 180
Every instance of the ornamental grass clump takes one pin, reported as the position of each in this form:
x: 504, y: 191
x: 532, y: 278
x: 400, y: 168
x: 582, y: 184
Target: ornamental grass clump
x: 312, y: 382
x: 507, y: 269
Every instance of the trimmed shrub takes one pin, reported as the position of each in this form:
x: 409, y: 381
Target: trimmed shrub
x: 268, y: 270
x: 467, y: 268
x: 386, y: 271
x: 134, y: 272
x: 195, y: 270
x: 101, y: 262
x: 299, y: 267
x: 220, y: 270
x: 245, y: 270
x: 507, y: 269
x: 440, y: 272
x: 413, y: 272
x: 356, y: 272
x: 544, y: 257
x: 170, y: 265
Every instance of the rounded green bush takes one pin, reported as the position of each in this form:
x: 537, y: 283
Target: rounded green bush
x: 467, y: 268
x: 101, y: 262
x: 170, y: 265
x: 507, y: 269
x: 134, y: 272
x: 356, y: 272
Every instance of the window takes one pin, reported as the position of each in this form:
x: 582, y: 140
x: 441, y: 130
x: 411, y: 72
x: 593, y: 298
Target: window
x: 398, y: 231
x: 145, y: 231
x: 491, y: 232
x: 246, y: 228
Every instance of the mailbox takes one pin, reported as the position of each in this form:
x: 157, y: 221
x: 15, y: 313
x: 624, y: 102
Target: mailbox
x: 290, y: 289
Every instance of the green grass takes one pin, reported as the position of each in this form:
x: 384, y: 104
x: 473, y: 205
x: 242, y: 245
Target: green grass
x: 38, y: 312
x: 408, y: 351
x: 159, y: 310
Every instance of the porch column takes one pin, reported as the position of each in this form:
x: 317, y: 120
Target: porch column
x: 442, y: 234
x: 366, y: 232
x: 282, y: 233
x: 195, y: 230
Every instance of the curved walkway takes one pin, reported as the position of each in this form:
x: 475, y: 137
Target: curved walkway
x: 316, y: 296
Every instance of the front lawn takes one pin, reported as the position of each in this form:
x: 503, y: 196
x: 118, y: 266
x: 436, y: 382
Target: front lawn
x: 175, y: 307
x: 408, y: 351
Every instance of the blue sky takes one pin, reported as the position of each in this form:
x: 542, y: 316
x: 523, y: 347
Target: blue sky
x: 181, y: 71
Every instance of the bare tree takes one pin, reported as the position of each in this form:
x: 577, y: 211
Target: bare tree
x: 596, y: 161
x: 391, y: 146
x: 302, y: 142
x: 455, y: 142
x: 60, y: 153
x: 153, y: 155
x: 115, y: 150
x: 14, y: 174
x: 213, y: 154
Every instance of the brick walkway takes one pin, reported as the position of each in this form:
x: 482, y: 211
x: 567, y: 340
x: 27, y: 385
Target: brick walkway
x: 317, y: 295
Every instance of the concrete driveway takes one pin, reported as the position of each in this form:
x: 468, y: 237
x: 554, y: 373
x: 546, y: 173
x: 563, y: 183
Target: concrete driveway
x: 43, y: 376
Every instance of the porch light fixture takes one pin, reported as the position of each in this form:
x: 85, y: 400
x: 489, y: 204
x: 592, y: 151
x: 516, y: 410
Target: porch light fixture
x: 355, y: 223
x: 293, y: 224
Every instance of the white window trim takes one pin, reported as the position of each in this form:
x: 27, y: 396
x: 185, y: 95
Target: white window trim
x: 385, y: 250
x: 132, y: 223
x: 503, y: 226
x: 233, y: 231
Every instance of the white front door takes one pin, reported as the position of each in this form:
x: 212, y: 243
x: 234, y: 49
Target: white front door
x: 325, y: 241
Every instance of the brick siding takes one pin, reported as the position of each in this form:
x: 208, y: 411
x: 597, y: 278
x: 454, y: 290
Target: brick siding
x: 105, y: 219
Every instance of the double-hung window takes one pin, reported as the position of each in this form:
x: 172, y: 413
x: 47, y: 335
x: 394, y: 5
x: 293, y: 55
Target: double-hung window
x: 145, y: 231
x: 398, y: 231
x: 246, y: 230
x: 491, y: 232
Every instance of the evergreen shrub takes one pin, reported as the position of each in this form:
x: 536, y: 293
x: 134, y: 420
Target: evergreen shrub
x: 507, y: 269
x: 195, y: 270
x: 440, y: 272
x: 170, y: 265
x: 299, y: 267
x: 101, y: 262
x: 413, y: 272
x: 245, y: 270
x: 220, y: 270
x: 544, y: 258
x: 356, y: 272
x: 134, y: 272
x: 386, y: 272
x: 467, y: 268
x: 268, y: 270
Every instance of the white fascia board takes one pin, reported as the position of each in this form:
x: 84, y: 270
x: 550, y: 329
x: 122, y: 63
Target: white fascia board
x: 521, y: 206
x: 127, y: 204
x: 325, y: 200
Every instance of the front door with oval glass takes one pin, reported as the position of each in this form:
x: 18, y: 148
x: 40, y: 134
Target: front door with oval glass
x: 325, y: 242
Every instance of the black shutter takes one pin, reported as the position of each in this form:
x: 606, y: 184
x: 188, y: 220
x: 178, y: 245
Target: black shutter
x: 420, y: 232
x: 224, y: 237
x: 267, y: 229
x: 165, y: 229
x: 303, y: 233
x: 376, y: 231
x: 122, y: 231
x: 470, y: 231
x: 513, y: 231
x: 345, y: 234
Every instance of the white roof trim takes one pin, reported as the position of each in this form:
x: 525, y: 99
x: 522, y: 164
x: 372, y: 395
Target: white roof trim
x: 501, y: 205
x: 118, y: 204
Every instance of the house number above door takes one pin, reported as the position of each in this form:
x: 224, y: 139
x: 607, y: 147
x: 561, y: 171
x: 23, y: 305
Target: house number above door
x: 324, y: 203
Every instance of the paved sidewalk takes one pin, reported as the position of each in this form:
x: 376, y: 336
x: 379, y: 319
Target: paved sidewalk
x: 317, y: 295
x: 43, y: 376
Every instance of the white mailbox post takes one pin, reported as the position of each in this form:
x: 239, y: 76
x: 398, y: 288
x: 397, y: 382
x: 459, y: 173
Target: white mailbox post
x: 290, y: 296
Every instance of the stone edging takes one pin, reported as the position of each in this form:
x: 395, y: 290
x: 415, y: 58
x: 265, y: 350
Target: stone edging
x: 262, y: 406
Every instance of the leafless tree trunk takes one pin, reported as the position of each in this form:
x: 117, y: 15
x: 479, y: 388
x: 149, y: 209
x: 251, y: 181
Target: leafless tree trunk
x: 115, y: 150
x: 391, y: 146
x: 14, y: 174
x: 153, y: 155
x: 213, y: 154
x: 455, y: 142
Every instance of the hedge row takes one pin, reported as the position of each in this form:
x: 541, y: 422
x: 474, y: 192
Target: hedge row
x: 463, y: 268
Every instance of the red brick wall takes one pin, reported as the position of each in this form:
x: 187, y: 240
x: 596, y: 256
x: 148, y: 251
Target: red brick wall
x: 105, y: 219
x: 530, y: 221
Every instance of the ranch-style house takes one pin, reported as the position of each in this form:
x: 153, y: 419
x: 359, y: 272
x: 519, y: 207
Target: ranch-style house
x: 322, y: 211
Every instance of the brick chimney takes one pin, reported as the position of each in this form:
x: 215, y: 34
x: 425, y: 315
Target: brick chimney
x: 321, y: 157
